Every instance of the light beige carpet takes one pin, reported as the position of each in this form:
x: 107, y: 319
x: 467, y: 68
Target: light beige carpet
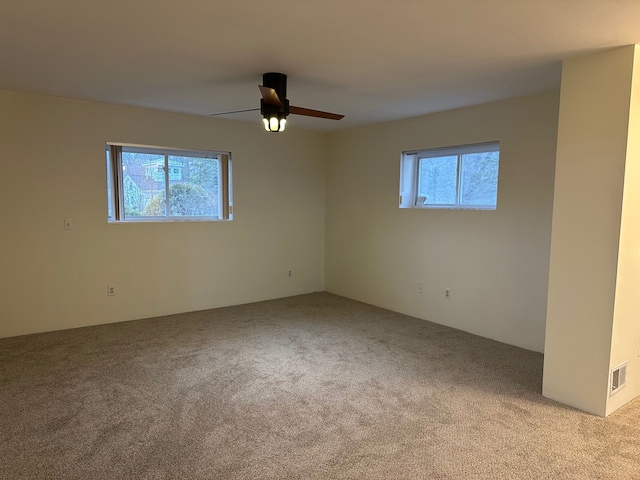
x: 308, y: 387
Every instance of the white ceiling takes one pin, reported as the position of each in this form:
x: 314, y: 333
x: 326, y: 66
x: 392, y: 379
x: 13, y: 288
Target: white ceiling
x: 371, y: 60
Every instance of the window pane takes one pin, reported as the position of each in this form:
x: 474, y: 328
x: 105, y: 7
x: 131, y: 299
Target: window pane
x: 437, y: 180
x: 166, y: 184
x: 143, y: 184
x: 479, y: 179
x: 109, y: 187
x: 194, y: 187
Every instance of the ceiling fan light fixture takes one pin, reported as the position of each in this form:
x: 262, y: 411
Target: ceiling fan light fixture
x: 274, y: 122
x: 274, y: 116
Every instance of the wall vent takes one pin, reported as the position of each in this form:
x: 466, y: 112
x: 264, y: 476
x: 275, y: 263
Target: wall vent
x: 618, y: 378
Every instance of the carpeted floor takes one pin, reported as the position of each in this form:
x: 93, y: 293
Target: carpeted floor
x: 308, y: 387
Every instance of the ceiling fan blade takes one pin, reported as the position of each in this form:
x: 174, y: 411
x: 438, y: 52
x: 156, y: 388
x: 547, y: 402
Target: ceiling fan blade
x: 234, y: 111
x: 270, y: 96
x: 314, y: 113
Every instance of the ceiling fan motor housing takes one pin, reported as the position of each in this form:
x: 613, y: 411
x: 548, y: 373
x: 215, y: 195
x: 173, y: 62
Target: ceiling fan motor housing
x: 277, y: 81
x: 268, y: 110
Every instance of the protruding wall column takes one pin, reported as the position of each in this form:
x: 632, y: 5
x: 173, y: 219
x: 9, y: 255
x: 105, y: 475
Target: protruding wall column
x: 588, y: 311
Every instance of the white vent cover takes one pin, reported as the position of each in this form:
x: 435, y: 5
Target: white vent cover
x: 618, y: 378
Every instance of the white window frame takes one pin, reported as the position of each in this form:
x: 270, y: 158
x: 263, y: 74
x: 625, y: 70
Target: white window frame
x: 409, y: 173
x: 115, y: 177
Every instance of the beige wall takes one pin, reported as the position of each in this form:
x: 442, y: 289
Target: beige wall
x: 590, y: 174
x: 494, y: 262
x: 625, y: 344
x: 53, y: 166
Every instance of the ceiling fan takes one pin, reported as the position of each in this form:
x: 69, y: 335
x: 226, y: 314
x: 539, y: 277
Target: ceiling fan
x: 274, y: 104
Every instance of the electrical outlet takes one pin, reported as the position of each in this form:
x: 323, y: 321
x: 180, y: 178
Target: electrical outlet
x: 290, y: 274
x: 111, y: 290
x: 68, y: 224
x: 447, y: 293
x: 420, y: 288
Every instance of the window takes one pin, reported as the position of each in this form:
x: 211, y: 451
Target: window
x: 163, y: 184
x: 463, y: 177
